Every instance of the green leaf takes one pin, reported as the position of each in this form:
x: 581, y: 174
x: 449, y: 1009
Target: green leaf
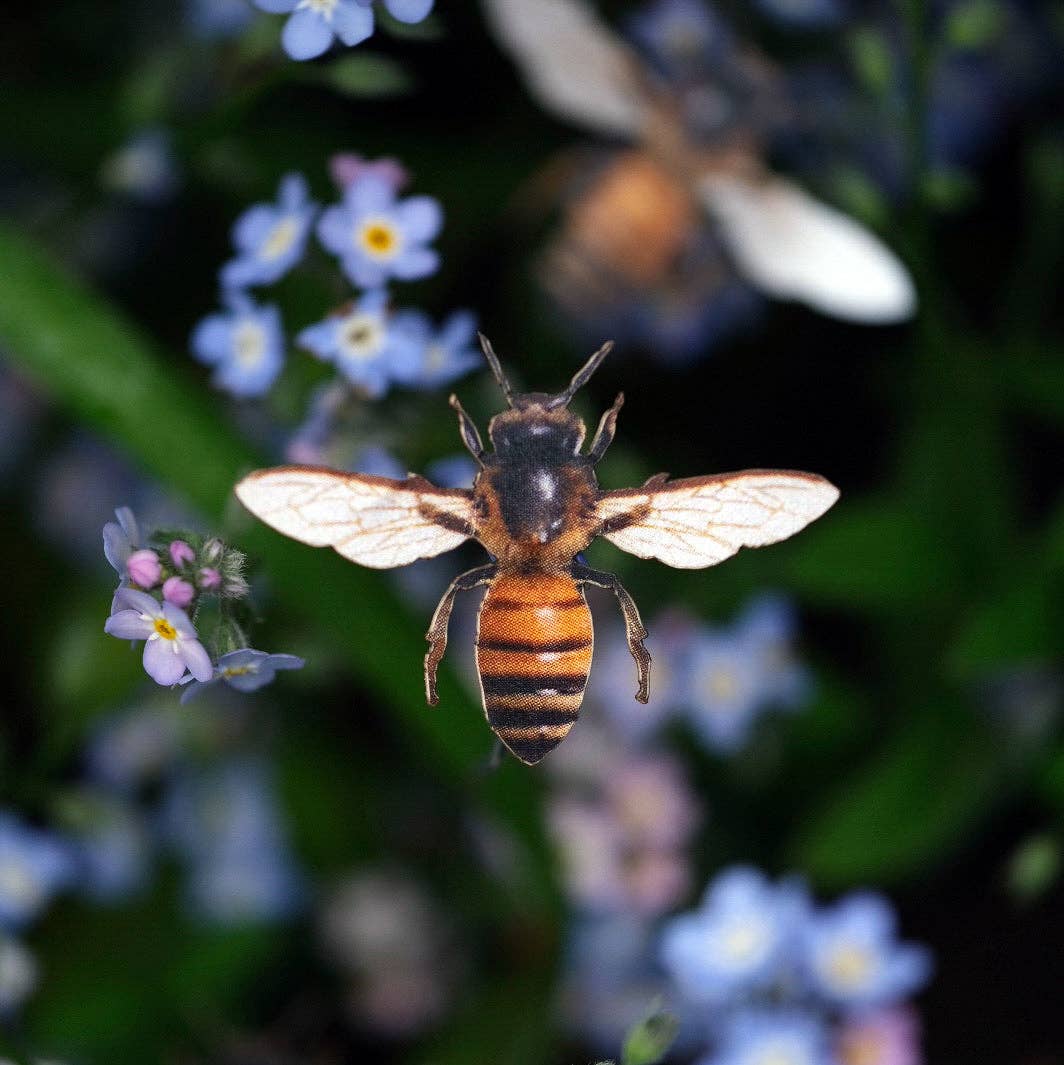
x: 906, y: 809
x: 974, y: 25
x: 649, y: 1040
x: 366, y: 75
x: 86, y: 356
x: 1034, y: 868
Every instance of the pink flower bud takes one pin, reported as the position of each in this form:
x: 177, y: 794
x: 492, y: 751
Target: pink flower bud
x: 144, y: 568
x: 181, y: 553
x: 209, y: 578
x: 345, y: 168
x: 178, y: 591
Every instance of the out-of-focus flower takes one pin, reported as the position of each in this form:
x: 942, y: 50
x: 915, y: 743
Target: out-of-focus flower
x: 143, y: 568
x: 226, y: 822
x: 120, y: 540
x: 446, y: 354
x: 245, y: 670
x: 386, y: 933
x: 113, y: 851
x: 178, y: 591
x: 19, y: 975
x: 144, y: 167
x: 172, y: 645
x: 314, y: 24
x: 379, y: 462
x: 454, y: 471
x: 680, y: 36
x: 377, y: 237
x: 883, y: 1037
x: 740, y: 939
x: 853, y: 959
x: 134, y: 747
x: 218, y: 18
x: 773, y: 1037
x: 245, y: 345
x: 345, y: 168
x: 34, y: 866
x: 270, y: 238
x: 181, y: 553
x: 362, y: 343
x: 209, y: 579
x: 804, y: 14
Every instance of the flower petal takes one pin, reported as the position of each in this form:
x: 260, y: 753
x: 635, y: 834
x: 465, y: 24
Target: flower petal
x: 196, y: 658
x: 276, y: 7
x: 414, y: 263
x: 161, y: 663
x: 210, y: 341
x: 306, y: 35
x: 409, y: 10
x: 116, y: 547
x: 421, y: 217
x: 254, y: 226
x: 128, y: 625
x: 141, y: 602
x: 353, y: 22
x: 320, y: 338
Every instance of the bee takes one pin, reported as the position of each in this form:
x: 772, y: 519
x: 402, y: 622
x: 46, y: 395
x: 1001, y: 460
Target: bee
x: 535, y: 506
x: 695, y: 155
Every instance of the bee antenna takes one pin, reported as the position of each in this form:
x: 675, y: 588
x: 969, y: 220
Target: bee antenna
x: 496, y: 368
x: 582, y: 376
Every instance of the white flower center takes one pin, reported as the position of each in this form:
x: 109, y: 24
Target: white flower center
x: 378, y: 238
x: 322, y: 8
x: 849, y: 966
x: 280, y: 238
x: 18, y: 885
x: 362, y: 336
x: 249, y: 343
x: 720, y: 685
x: 777, y: 1051
x: 743, y: 942
x: 435, y: 357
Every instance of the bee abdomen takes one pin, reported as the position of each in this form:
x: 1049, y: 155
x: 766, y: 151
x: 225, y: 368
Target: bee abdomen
x: 534, y: 643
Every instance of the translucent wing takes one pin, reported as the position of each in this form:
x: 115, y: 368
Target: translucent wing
x: 573, y: 64
x: 792, y: 246
x: 701, y: 521
x: 374, y: 521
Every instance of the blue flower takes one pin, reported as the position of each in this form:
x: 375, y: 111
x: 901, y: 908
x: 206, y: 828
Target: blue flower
x: 114, y: 853
x: 34, y: 866
x: 245, y: 670
x: 853, y: 959
x: 144, y: 167
x: 768, y: 625
x: 379, y: 462
x: 773, y: 1037
x: 454, y: 471
x: 19, y: 975
x: 245, y: 345
x: 217, y: 18
x: 741, y: 938
x: 361, y: 341
x: 804, y: 14
x: 681, y: 36
x: 270, y: 238
x: 446, y: 354
x: 133, y: 748
x: 377, y: 238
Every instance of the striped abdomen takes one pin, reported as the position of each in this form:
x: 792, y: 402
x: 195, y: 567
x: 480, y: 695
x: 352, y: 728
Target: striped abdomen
x: 534, y: 641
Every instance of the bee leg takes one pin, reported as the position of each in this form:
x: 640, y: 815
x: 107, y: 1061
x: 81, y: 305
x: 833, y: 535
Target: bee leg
x: 607, y: 426
x: 468, y: 429
x: 633, y: 624
x: 437, y: 634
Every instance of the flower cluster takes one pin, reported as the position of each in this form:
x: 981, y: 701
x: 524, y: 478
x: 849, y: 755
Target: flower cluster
x: 718, y: 680
x: 376, y: 237
x: 767, y: 976
x: 161, y: 582
x: 313, y: 25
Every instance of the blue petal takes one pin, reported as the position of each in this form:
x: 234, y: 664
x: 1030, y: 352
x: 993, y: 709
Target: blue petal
x: 363, y: 272
x: 420, y: 218
x: 459, y: 329
x: 415, y: 263
x: 276, y: 7
x: 410, y: 10
x: 292, y: 192
x: 306, y: 35
x: 335, y: 230
x: 369, y: 193
x: 211, y: 339
x: 253, y: 226
x: 320, y: 338
x: 353, y: 22
x: 243, y: 271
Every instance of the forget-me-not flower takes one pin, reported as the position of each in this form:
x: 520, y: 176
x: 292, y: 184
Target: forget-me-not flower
x: 270, y: 237
x: 377, y: 237
x: 773, y: 1037
x: 172, y: 645
x: 740, y: 939
x: 34, y: 865
x: 804, y: 14
x: 680, y: 35
x: 360, y: 340
x: 114, y: 852
x: 217, y: 18
x: 882, y: 1037
x: 134, y: 747
x: 245, y: 670
x: 18, y: 975
x: 244, y: 344
x: 446, y: 353
x: 852, y: 956
x: 120, y: 540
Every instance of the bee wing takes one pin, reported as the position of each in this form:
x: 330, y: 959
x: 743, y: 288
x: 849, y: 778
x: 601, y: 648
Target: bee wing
x: 375, y: 521
x: 792, y: 246
x: 700, y: 521
x: 573, y: 64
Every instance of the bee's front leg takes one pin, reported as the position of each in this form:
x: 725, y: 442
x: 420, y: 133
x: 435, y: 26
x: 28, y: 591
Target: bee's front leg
x: 633, y: 624
x: 437, y: 634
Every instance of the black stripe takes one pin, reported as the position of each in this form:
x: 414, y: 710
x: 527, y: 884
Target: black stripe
x: 506, y: 717
x: 576, y: 643
x: 530, y: 751
x: 512, y: 684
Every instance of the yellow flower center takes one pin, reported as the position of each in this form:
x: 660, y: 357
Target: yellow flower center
x: 280, y: 239
x: 860, y: 1048
x: 249, y: 343
x: 744, y: 941
x: 720, y: 686
x: 238, y: 671
x: 164, y: 629
x: 849, y: 966
x: 379, y: 238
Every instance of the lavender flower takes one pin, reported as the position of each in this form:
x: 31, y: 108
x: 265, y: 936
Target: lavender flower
x: 445, y: 354
x: 172, y: 645
x: 34, y: 865
x: 774, y: 1037
x: 245, y: 670
x: 245, y: 345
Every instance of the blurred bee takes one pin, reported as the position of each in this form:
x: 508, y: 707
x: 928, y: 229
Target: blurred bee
x: 637, y: 230
x: 535, y: 505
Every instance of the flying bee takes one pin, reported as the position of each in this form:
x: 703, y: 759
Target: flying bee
x: 534, y: 506
x: 690, y: 208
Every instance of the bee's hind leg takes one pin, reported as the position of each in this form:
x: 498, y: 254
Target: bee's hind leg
x: 437, y: 634
x: 633, y: 624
